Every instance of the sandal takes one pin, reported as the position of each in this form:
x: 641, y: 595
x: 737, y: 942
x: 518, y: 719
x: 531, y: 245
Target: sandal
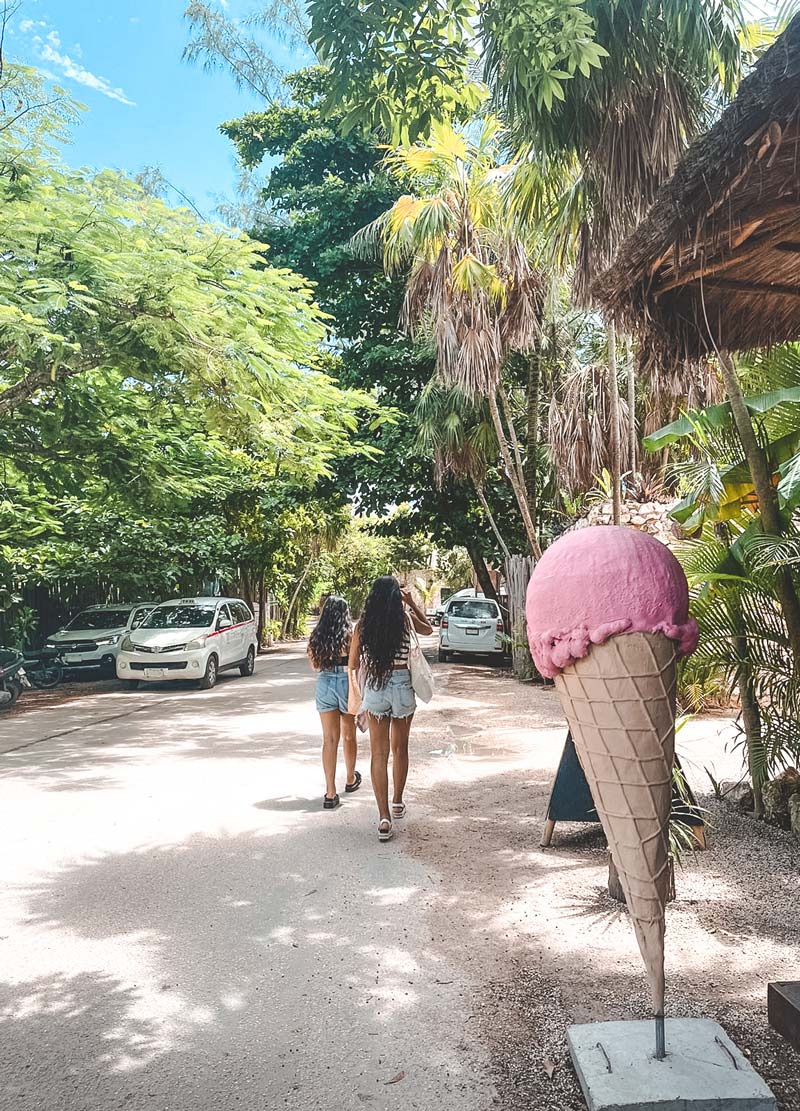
x: 398, y: 810
x: 385, y: 831
x: 350, y: 787
x: 330, y: 804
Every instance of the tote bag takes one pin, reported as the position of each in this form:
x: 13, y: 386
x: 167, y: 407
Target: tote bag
x: 419, y: 668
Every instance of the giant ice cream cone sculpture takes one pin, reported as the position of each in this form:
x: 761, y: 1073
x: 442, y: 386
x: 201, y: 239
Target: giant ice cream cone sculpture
x: 608, y: 617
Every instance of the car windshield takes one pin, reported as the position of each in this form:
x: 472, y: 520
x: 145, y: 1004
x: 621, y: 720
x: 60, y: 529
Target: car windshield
x: 179, y: 617
x: 473, y: 608
x: 100, y: 619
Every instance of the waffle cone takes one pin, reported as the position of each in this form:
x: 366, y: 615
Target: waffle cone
x: 620, y: 704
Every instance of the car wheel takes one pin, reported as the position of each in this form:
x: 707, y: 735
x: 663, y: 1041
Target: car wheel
x: 209, y: 680
x: 249, y: 665
x: 443, y: 656
x: 130, y: 684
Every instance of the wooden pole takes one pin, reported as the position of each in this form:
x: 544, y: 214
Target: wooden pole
x: 614, y: 432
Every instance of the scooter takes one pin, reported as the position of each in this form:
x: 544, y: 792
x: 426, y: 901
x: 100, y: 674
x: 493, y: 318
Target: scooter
x: 12, y: 677
x: 44, y: 668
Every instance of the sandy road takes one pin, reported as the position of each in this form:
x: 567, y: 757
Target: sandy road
x: 182, y: 927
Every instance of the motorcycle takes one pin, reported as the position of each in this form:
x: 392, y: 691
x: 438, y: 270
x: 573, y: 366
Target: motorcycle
x: 44, y: 668
x: 12, y: 677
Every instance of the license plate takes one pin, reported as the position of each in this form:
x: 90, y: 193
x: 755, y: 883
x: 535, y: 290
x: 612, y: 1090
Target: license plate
x: 154, y: 672
x: 73, y: 658
x: 472, y: 632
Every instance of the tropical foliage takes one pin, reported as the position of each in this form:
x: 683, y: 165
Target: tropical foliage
x: 165, y: 415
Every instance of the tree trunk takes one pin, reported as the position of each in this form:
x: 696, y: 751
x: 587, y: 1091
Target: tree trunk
x: 615, y: 449
x: 491, y: 520
x: 262, y: 617
x: 512, y: 434
x: 481, y: 570
x: 767, y: 499
x: 632, y: 440
x: 516, y: 484
x: 532, y: 454
x: 267, y: 620
x: 751, y: 716
x: 290, y: 609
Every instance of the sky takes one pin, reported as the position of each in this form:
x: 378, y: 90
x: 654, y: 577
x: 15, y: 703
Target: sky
x: 122, y: 60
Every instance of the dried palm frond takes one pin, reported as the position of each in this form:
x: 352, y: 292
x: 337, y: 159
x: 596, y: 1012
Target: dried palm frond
x: 472, y: 287
x: 579, y: 428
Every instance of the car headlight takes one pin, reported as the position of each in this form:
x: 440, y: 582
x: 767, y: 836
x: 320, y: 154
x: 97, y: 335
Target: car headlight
x: 127, y: 645
x: 108, y: 640
x: 197, y: 644
x: 50, y: 644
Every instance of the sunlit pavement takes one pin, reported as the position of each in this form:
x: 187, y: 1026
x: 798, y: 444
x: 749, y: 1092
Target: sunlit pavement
x: 183, y: 927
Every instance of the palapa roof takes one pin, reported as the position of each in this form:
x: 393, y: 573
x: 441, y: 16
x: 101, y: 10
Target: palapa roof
x: 716, y: 262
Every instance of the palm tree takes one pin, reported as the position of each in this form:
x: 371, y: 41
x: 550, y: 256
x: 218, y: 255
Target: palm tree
x: 471, y: 286
x: 456, y: 433
x: 599, y: 150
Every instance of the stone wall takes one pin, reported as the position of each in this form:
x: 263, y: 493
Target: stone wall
x: 652, y: 516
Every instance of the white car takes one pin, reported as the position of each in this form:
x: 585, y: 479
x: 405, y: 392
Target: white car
x: 93, y: 637
x: 190, y: 638
x: 474, y: 626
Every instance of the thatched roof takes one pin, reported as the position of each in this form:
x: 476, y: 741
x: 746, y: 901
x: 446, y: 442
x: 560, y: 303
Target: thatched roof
x: 716, y: 262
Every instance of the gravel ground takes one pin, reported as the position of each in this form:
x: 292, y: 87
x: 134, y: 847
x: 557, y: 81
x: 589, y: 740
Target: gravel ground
x: 77, y: 684
x: 538, y: 936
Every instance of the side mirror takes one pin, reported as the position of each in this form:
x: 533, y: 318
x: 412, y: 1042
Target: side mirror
x: 223, y: 623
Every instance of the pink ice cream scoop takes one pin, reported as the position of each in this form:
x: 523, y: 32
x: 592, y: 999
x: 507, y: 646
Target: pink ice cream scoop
x: 600, y: 582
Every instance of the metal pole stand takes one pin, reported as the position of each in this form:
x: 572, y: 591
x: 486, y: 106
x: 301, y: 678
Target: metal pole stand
x: 661, y: 1044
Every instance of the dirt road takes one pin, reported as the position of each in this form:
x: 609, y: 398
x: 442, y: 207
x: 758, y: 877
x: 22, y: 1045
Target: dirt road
x: 183, y: 927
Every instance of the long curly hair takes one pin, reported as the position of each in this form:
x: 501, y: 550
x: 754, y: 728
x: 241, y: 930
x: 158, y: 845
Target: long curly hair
x: 382, y: 630
x: 331, y: 638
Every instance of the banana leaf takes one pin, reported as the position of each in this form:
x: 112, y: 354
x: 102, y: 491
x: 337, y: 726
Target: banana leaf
x: 720, y: 416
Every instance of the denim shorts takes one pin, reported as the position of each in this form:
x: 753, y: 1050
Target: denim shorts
x: 395, y: 700
x: 332, y: 688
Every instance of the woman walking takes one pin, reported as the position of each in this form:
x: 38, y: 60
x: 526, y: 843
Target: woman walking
x: 380, y: 647
x: 328, y: 650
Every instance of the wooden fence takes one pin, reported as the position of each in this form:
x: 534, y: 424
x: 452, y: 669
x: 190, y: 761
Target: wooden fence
x: 518, y: 571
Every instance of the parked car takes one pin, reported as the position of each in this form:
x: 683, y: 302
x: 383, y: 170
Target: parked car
x: 190, y: 638
x: 93, y: 637
x: 467, y: 592
x: 473, y: 625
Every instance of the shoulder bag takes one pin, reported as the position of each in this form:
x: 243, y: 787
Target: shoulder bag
x: 419, y: 668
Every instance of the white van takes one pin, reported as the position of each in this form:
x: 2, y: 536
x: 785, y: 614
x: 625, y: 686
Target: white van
x: 474, y: 626
x: 190, y: 638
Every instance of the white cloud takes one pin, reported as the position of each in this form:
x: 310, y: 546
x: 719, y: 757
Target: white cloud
x: 76, y: 72
x: 49, y: 50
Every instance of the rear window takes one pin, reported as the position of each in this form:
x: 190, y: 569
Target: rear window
x: 179, y: 617
x: 99, y: 619
x: 472, y: 607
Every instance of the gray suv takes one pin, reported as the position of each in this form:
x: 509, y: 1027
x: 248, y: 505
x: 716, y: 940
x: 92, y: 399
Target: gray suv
x: 92, y: 638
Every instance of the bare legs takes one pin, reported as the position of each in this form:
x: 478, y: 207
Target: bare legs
x: 334, y: 727
x: 387, y: 734
x: 401, y: 727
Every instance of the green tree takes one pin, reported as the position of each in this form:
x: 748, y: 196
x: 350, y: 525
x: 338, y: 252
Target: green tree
x: 470, y: 286
x: 323, y: 189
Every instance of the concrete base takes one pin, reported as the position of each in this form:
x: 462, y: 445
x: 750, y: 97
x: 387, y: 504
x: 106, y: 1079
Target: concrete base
x: 703, y: 1069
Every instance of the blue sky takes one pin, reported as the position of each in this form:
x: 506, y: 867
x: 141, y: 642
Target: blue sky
x: 122, y: 59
